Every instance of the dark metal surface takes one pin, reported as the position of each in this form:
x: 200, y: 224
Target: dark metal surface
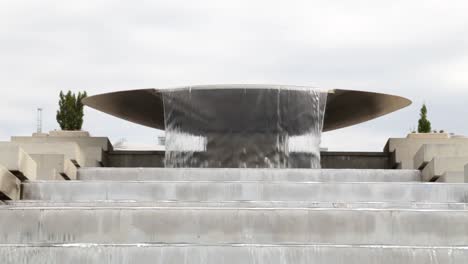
x: 344, y: 107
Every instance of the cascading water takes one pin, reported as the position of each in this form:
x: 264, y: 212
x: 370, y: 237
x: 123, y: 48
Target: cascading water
x: 244, y: 127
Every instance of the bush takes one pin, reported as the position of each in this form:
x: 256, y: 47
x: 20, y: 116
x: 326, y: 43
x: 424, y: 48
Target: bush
x: 70, y: 114
x: 424, y: 126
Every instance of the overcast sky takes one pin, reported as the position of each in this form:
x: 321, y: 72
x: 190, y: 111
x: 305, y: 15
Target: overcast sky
x: 417, y: 49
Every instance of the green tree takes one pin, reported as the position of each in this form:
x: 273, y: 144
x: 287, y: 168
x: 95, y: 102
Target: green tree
x: 424, y: 126
x: 70, y: 113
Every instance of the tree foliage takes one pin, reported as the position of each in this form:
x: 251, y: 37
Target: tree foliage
x: 70, y: 114
x: 424, y: 126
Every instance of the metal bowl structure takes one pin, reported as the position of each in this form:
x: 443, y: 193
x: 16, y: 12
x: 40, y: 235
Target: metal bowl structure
x: 274, y: 126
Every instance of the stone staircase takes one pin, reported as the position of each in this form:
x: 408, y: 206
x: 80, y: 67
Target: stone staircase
x: 236, y: 216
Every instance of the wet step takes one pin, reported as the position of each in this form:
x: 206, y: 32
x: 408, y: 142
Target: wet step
x: 241, y: 204
x: 234, y: 226
x: 196, y: 174
x: 228, y: 254
x: 217, y: 191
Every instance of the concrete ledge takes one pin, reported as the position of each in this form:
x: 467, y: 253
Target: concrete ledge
x: 466, y: 173
x: 229, y: 254
x: 217, y: 191
x: 201, y: 174
x: 452, y: 177
x: 429, y: 151
x: 428, y: 136
x: 91, y: 147
x: 234, y: 225
x: 9, y: 185
x: 64, y: 133
x: 69, y: 150
x: 440, y: 165
x: 17, y: 161
x: 241, y: 204
x: 406, y: 148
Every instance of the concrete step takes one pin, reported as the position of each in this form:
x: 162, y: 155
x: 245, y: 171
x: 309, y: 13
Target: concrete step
x: 195, y: 174
x: 241, y: 204
x: 245, y: 191
x: 234, y: 225
x: 452, y: 177
x: 228, y: 254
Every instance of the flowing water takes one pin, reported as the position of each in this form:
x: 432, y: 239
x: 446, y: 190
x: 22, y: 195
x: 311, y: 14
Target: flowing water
x: 244, y: 127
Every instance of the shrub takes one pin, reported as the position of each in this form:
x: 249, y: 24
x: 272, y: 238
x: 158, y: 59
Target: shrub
x: 424, y: 126
x: 70, y: 114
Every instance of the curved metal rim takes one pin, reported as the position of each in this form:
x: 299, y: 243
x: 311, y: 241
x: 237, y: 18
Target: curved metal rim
x: 344, y: 107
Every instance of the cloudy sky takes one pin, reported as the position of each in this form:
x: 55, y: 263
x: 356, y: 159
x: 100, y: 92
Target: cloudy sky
x: 417, y: 49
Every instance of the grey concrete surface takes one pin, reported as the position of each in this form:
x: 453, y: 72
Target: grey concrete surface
x: 228, y: 254
x: 234, y: 225
x: 406, y: 148
x: 244, y: 191
x: 49, y: 166
x: 191, y: 174
x: 466, y: 173
x: 9, y: 185
x: 452, y: 177
x: 70, y: 150
x: 427, y: 152
x: 16, y: 160
x: 440, y: 165
x: 243, y: 204
x: 138, y: 215
x: 90, y: 148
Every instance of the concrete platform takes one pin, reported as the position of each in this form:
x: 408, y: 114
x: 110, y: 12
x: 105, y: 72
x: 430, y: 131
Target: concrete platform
x: 234, y: 225
x: 243, y: 204
x: 427, y: 152
x: 228, y: 254
x: 244, y: 191
x: 440, y: 165
x: 330, y: 175
x: 236, y: 216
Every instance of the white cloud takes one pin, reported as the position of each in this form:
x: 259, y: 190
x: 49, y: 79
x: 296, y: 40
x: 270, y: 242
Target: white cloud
x: 415, y: 48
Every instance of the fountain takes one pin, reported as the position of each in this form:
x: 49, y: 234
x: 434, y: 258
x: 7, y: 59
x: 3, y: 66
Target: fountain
x: 241, y: 185
x: 245, y: 126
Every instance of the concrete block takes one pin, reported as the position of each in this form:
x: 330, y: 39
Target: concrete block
x: 83, y: 141
x: 70, y: 170
x: 217, y: 191
x: 16, y: 160
x: 452, y: 177
x: 200, y: 174
x: 234, y: 225
x: 439, y: 165
x: 466, y: 173
x: 91, y: 147
x: 241, y: 204
x: 428, y: 136
x: 9, y: 185
x: 70, y: 150
x: 49, y: 166
x: 406, y: 148
x: 65, y: 133
x: 229, y: 254
x: 427, y: 152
